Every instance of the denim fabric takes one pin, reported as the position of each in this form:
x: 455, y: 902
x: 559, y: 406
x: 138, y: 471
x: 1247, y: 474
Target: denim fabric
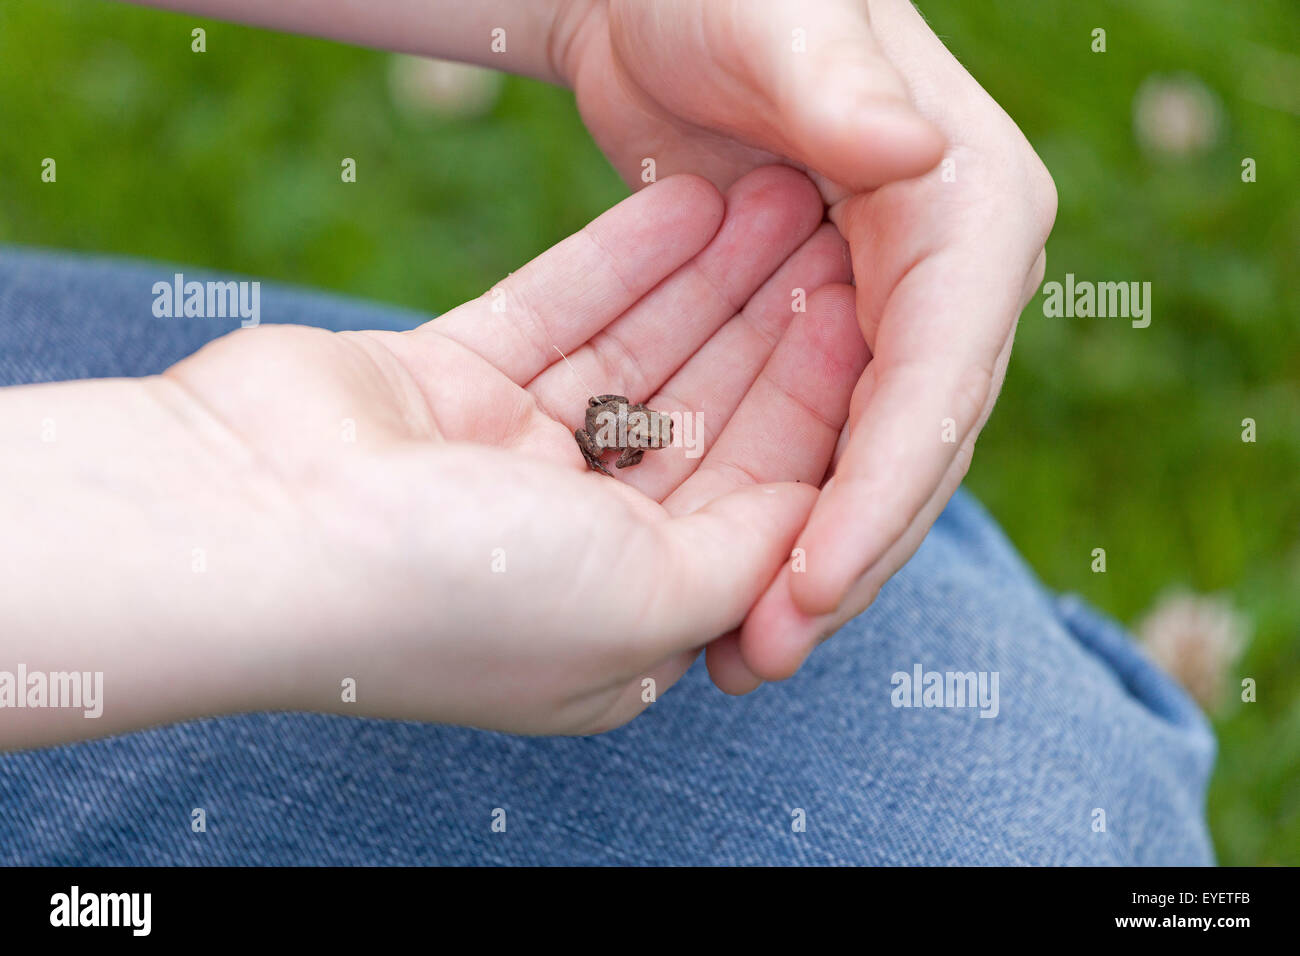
x: 1085, y: 722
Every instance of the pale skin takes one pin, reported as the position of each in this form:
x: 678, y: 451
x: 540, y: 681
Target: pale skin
x: 290, y: 508
x: 944, y: 259
x: 942, y: 265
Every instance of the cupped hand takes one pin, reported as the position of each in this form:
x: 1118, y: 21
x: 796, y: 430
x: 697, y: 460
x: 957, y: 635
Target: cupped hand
x: 474, y: 570
x: 865, y: 97
x: 944, y: 264
x: 717, y: 89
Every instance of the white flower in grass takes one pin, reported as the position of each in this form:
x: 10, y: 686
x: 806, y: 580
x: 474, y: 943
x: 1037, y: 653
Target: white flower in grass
x: 424, y: 86
x: 1176, y: 115
x: 1196, y: 638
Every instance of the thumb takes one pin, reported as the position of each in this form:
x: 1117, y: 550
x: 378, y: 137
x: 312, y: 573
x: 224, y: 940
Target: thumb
x: 718, y: 560
x: 842, y: 108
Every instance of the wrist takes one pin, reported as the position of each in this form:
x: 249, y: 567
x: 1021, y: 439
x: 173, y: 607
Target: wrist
x: 508, y: 35
x: 143, y: 543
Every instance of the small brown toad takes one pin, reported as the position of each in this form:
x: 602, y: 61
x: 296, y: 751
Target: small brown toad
x: 613, y: 422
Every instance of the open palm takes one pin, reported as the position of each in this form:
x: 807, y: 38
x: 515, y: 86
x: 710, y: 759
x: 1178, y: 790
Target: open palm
x: 458, y: 446
x: 864, y: 97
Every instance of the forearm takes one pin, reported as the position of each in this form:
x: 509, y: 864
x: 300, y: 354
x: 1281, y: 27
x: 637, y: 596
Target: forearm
x: 142, y: 543
x: 447, y: 29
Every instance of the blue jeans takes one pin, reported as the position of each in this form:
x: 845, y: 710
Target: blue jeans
x: 1094, y: 756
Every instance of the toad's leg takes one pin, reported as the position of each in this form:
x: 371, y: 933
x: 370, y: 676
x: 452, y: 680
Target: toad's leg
x: 591, y: 452
x: 630, y: 457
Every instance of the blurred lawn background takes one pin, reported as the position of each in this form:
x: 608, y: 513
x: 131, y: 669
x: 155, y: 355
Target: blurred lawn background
x: 1105, y: 436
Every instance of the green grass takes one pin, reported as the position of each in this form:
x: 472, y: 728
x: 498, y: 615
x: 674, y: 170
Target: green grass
x: 1106, y: 436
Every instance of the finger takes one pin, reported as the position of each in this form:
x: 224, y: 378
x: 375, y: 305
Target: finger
x: 788, y: 424
x: 786, y: 427
x: 713, y: 382
x: 727, y: 669
x: 842, y: 109
x: 777, y: 636
x: 570, y: 292
x: 715, y: 562
x: 936, y: 353
x: 769, y: 214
